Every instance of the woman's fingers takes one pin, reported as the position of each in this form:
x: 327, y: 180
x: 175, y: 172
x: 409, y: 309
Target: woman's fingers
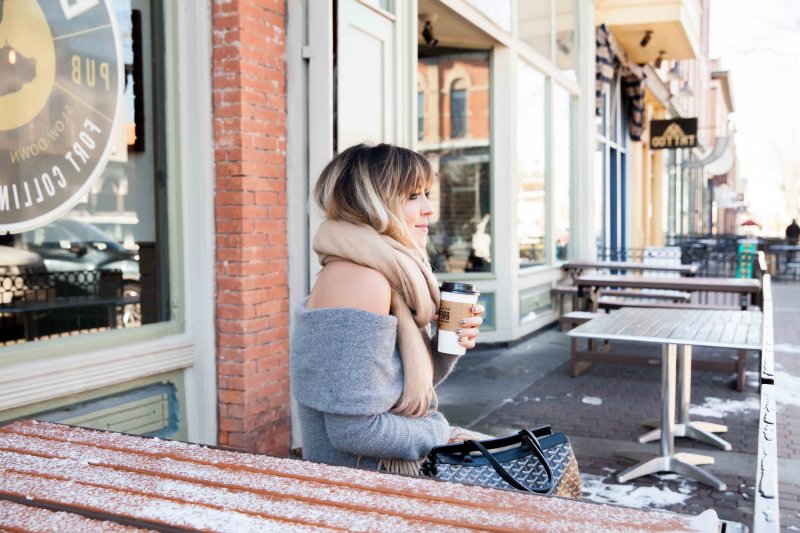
x: 467, y: 342
x: 473, y: 322
x: 468, y: 331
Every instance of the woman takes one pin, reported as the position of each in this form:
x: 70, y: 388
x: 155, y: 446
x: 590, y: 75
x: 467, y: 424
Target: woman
x: 362, y: 366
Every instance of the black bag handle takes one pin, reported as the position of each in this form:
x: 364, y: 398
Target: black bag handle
x: 503, y: 473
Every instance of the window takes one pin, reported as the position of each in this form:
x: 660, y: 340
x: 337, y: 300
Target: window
x: 610, y: 173
x: 103, y: 265
x: 566, y: 37
x: 562, y: 169
x: 531, y: 165
x: 535, y: 25
x: 461, y: 226
x: 498, y: 11
x: 458, y: 109
x: 420, y: 115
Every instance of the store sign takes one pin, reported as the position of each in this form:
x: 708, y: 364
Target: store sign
x: 673, y: 133
x: 60, y: 89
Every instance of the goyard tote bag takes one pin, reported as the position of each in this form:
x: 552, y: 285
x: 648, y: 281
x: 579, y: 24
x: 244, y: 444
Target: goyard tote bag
x: 535, y: 460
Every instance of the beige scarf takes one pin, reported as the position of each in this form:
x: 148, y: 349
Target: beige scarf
x: 415, y: 300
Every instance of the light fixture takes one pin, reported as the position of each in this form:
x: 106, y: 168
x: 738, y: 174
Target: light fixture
x: 427, y: 34
x: 648, y: 34
x: 675, y: 73
x: 660, y: 58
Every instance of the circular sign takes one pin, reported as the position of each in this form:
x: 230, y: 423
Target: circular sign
x: 60, y: 88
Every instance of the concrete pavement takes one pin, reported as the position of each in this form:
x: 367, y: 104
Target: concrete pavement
x: 497, y: 391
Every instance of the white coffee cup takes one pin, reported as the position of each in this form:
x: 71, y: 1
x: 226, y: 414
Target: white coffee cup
x: 457, y: 300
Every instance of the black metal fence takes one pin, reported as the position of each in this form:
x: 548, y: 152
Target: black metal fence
x: 720, y: 257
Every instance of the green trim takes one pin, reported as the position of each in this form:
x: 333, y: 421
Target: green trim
x: 174, y: 377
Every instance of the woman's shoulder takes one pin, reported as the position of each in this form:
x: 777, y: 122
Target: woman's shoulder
x: 350, y: 285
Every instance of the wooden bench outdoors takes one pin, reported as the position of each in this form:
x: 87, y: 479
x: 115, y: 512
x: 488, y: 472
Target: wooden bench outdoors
x: 105, y: 481
x: 561, y: 293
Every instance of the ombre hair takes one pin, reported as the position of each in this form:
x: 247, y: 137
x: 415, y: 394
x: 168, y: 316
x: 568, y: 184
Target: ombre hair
x: 368, y: 184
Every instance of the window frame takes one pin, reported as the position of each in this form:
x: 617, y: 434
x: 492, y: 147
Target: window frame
x: 45, y: 370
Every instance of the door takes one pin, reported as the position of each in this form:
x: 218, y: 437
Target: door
x: 366, y: 75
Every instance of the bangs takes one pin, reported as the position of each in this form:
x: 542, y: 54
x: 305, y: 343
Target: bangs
x: 420, y: 174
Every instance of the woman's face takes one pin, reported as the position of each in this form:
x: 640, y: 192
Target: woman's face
x: 416, y: 212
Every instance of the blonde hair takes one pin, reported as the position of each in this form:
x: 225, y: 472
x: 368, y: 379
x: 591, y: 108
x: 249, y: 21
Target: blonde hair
x: 368, y: 184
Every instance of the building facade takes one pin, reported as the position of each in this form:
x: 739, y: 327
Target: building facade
x: 233, y: 107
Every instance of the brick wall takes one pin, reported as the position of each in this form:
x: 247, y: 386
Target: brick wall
x: 249, y: 78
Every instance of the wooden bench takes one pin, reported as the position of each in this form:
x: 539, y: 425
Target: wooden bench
x: 609, y: 304
x: 119, y: 480
x: 672, y: 296
x: 562, y: 292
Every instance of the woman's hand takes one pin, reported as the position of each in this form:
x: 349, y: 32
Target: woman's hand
x: 468, y: 327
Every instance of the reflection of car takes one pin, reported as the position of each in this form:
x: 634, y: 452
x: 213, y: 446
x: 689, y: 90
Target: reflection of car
x: 16, y: 261
x: 69, y: 245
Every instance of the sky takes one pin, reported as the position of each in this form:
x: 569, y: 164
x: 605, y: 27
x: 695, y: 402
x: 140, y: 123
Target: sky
x: 759, y: 43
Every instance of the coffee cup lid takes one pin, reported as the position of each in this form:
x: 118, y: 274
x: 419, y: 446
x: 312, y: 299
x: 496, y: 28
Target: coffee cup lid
x: 463, y: 288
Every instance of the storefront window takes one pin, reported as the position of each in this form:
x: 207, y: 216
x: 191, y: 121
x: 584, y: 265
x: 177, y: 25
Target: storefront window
x: 562, y: 170
x: 420, y: 115
x: 535, y: 25
x: 102, y: 265
x: 498, y: 11
x: 461, y: 227
x: 566, y: 37
x: 531, y: 165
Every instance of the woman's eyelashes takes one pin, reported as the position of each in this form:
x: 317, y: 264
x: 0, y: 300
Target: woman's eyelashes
x: 415, y: 195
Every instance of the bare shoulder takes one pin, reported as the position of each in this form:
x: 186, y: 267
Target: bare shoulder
x: 346, y: 284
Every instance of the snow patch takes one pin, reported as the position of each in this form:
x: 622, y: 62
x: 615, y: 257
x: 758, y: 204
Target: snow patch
x: 719, y: 408
x: 786, y: 348
x: 592, y: 400
x: 787, y: 391
x: 596, y: 489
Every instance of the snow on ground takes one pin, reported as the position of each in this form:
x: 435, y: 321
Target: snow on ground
x: 788, y: 387
x: 592, y: 400
x: 719, y: 408
x: 602, y: 489
x: 787, y: 348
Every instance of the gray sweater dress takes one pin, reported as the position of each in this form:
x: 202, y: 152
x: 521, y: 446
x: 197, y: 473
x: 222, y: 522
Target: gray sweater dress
x: 346, y: 375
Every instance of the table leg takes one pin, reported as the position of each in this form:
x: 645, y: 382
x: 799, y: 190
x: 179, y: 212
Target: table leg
x: 699, y: 431
x: 668, y: 460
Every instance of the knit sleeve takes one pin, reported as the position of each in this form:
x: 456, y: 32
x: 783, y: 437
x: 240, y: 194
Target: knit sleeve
x: 443, y: 363
x: 387, y: 435
x: 342, y: 361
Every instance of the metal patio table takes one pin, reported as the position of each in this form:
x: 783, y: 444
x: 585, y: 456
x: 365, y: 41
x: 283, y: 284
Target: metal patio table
x: 674, y: 328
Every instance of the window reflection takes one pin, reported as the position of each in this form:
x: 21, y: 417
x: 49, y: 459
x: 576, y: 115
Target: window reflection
x: 531, y: 161
x: 456, y: 140
x: 103, y: 264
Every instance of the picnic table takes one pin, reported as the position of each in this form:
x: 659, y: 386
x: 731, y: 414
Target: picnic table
x: 674, y: 328
x: 746, y: 288
x: 68, y: 478
x: 576, y: 268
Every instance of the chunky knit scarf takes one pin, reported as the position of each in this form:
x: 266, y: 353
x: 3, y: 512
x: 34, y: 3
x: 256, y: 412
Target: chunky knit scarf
x: 415, y: 300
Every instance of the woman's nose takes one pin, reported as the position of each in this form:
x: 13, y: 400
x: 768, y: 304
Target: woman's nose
x: 427, y: 207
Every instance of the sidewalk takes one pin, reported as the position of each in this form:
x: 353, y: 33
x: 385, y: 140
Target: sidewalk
x: 499, y: 390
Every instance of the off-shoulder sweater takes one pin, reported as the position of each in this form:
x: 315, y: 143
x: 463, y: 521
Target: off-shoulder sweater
x: 346, y: 374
